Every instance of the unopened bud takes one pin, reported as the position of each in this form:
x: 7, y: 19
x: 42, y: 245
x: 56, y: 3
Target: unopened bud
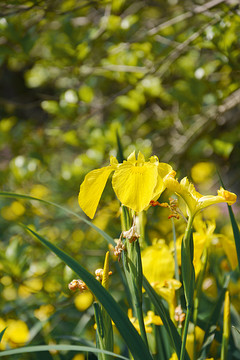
x: 99, y: 274
x: 77, y: 284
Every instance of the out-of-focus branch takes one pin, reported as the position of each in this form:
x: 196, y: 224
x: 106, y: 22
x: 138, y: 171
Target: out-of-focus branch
x: 201, y: 123
x: 16, y: 9
x: 180, y: 48
x: 196, y: 10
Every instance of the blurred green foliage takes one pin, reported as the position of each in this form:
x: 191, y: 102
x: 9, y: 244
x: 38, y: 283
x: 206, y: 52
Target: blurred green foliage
x: 164, y: 75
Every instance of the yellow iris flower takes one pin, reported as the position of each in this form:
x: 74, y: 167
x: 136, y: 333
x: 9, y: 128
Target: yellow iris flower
x: 195, y: 201
x: 135, y: 181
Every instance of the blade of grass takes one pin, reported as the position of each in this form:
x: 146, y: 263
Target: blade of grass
x: 212, y: 323
x: 120, y: 148
x: 70, y: 212
x: 39, y: 348
x: 173, y: 334
x: 2, y: 333
x: 125, y: 327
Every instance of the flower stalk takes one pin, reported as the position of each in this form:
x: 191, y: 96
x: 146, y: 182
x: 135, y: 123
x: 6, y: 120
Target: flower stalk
x: 104, y: 335
x: 197, y: 296
x: 133, y: 271
x: 188, y: 275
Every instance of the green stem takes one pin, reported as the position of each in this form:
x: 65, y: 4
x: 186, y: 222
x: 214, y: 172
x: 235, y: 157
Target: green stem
x: 141, y: 324
x: 188, y: 278
x: 175, y: 251
x: 177, y: 277
x: 133, y: 270
x: 185, y: 331
x: 196, y: 297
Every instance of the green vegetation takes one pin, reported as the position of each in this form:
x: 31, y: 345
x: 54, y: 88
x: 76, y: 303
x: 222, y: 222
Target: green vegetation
x: 84, y: 80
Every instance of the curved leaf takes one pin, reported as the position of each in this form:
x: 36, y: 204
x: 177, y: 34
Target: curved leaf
x: 38, y: 348
x: 125, y: 327
x: 28, y: 197
x: 2, y: 333
x: 160, y: 310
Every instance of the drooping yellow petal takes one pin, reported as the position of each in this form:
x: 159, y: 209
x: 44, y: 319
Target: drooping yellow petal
x: 223, y: 196
x: 227, y: 196
x: 134, y: 185
x: 92, y: 188
x: 193, y: 199
x: 163, y: 170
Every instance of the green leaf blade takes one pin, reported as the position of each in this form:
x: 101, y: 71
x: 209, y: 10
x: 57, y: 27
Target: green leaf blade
x: 40, y: 348
x: 70, y: 212
x: 125, y: 327
x: 160, y: 310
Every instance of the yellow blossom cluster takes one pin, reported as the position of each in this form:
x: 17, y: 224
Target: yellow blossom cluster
x: 16, y: 333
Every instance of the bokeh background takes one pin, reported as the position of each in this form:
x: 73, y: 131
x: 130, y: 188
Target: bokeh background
x: 78, y: 77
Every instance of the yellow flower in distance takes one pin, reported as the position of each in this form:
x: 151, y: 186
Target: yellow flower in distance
x: 204, y: 236
x: 160, y: 255
x: 135, y: 181
x: 151, y: 318
x: 16, y: 334
x: 193, y: 199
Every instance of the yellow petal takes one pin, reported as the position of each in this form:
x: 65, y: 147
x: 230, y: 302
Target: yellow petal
x: 199, y: 241
x: 172, y: 184
x: 134, y: 185
x: 227, y: 196
x: 223, y: 196
x: 162, y: 258
x: 193, y: 199
x: 159, y: 188
x: 141, y: 158
x: 163, y: 170
x: 151, y: 318
x: 113, y: 161
x: 132, y: 157
x: 92, y: 188
x: 229, y: 248
x: 154, y: 159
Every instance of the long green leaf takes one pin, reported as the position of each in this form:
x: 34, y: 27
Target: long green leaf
x: 212, y: 322
x: 120, y: 148
x: 125, y: 327
x: 38, y: 348
x: 235, y: 228
x: 2, y: 333
x: 160, y: 310
x: 70, y: 212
